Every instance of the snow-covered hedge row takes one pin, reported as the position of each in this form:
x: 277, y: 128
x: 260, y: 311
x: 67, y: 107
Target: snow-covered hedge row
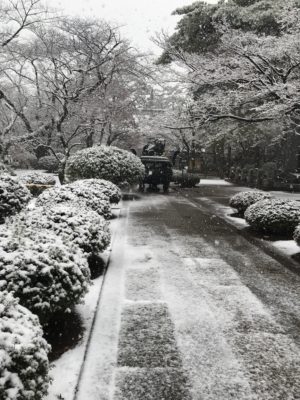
x: 274, y: 216
x: 24, y: 363
x: 97, y: 186
x: 13, y: 196
x: 104, y: 162
x: 36, y: 178
x: 77, y: 195
x: 76, y: 225
x: 297, y: 235
x: 45, y: 274
x: 242, y: 200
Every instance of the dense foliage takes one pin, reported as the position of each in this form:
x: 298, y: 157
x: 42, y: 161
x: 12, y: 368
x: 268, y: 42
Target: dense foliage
x: 242, y: 200
x: 185, y: 179
x: 13, y: 196
x: 78, y: 196
x: 103, y: 162
x: 36, y: 178
x: 45, y: 274
x: 49, y: 163
x: 97, y: 186
x: 274, y: 216
x: 74, y: 225
x: 24, y: 364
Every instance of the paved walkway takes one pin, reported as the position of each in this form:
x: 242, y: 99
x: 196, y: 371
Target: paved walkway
x: 192, y: 310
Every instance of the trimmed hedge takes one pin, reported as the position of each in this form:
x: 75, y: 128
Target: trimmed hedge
x: 185, y: 179
x: 74, y: 225
x: 274, y: 216
x: 24, y: 365
x: 36, y: 178
x: 78, y: 196
x: 105, y: 162
x: 102, y: 186
x: 13, y: 196
x: 242, y: 200
x: 50, y: 163
x: 45, y: 274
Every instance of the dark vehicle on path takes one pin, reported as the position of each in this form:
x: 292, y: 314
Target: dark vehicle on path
x: 158, y: 171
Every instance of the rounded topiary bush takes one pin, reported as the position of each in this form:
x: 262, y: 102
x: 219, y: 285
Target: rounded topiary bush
x: 297, y: 235
x: 104, y: 162
x: 101, y: 186
x: 76, y: 225
x: 45, y: 274
x: 13, y: 196
x: 77, y: 195
x: 50, y: 163
x: 242, y: 200
x: 36, y: 178
x: 274, y: 216
x: 24, y: 362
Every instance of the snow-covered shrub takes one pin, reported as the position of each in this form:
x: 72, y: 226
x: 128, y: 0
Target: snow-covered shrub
x: 186, y: 179
x: 78, y: 196
x: 242, y: 200
x: 104, y: 162
x: 274, y: 216
x: 36, y: 178
x: 6, y: 169
x: 44, y: 273
x: 98, y: 187
x: 24, y: 362
x: 297, y: 235
x: 13, y: 196
x: 50, y: 163
x: 77, y: 225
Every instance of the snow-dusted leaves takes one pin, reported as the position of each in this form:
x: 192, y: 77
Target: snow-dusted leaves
x: 74, y: 225
x: 13, y: 196
x: 97, y: 186
x: 81, y: 197
x: 46, y: 275
x: 274, y: 216
x: 105, y: 162
x: 242, y: 200
x: 36, y: 178
x: 23, y: 353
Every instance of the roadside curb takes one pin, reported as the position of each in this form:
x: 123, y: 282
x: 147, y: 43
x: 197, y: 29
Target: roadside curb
x: 89, y: 339
x: 270, y: 250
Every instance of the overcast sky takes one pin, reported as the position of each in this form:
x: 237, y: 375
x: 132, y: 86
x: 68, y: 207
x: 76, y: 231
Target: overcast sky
x: 140, y: 18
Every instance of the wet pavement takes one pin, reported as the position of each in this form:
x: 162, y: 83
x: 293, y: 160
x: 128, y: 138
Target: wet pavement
x: 192, y: 309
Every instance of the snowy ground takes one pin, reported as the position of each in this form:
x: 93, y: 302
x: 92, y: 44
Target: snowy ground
x: 191, y: 310
x: 70, y: 364
x: 288, y: 247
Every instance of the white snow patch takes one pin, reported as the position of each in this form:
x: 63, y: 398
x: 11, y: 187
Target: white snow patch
x: 65, y: 370
x: 289, y: 247
x: 216, y: 182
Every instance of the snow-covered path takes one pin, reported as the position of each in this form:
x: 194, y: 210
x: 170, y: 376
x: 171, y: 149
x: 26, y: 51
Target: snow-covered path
x: 192, y: 310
